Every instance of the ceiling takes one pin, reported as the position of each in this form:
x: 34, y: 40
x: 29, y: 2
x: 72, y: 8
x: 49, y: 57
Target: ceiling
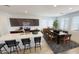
x: 40, y: 10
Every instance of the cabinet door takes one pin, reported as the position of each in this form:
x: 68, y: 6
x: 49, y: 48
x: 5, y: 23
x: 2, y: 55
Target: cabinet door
x: 22, y: 22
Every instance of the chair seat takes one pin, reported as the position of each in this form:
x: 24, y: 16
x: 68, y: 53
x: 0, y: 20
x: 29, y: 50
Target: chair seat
x: 66, y: 40
x: 11, y: 45
x: 17, y: 43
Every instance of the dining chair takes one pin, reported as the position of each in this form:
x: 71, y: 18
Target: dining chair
x: 12, y: 44
x: 67, y: 38
x: 55, y: 37
x: 65, y: 32
x: 26, y: 43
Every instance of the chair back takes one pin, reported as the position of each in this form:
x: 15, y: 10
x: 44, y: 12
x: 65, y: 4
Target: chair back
x: 25, y: 41
x: 65, y: 32
x: 10, y: 43
x: 67, y: 37
x: 1, y: 45
x: 37, y: 39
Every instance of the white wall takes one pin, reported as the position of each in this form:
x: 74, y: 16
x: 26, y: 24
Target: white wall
x: 23, y: 16
x: 4, y: 23
x: 43, y: 21
x: 5, y: 26
x: 75, y: 36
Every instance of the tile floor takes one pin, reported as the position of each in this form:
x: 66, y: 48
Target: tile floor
x: 46, y: 49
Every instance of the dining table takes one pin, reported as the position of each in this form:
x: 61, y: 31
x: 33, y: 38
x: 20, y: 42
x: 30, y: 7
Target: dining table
x: 61, y: 34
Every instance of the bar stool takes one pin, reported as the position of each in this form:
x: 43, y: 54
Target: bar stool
x: 37, y: 41
x: 12, y: 44
x: 2, y: 46
x: 26, y: 41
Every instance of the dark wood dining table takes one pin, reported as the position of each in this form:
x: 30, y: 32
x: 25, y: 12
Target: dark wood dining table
x: 59, y: 36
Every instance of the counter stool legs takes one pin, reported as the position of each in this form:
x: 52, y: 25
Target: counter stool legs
x: 29, y: 47
x: 24, y: 48
x: 6, y: 50
x: 17, y: 49
x: 0, y: 51
x: 35, y: 47
x: 10, y: 49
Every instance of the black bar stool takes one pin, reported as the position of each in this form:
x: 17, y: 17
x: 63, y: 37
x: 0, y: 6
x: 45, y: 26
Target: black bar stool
x: 26, y: 41
x: 37, y: 41
x: 2, y: 46
x: 12, y: 44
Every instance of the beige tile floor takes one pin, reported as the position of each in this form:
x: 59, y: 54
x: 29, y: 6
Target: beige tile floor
x: 75, y: 38
x: 71, y: 51
x: 46, y: 49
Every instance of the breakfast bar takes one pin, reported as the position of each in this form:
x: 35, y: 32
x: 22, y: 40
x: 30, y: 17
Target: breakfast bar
x: 19, y: 36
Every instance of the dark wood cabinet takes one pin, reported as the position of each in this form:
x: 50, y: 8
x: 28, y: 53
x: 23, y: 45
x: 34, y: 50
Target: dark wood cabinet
x: 20, y: 21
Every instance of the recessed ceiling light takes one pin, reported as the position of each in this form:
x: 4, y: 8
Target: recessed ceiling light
x: 70, y: 8
x: 55, y: 5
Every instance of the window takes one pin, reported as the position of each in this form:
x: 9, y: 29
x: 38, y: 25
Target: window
x: 64, y: 22
x: 46, y: 22
x: 75, y: 23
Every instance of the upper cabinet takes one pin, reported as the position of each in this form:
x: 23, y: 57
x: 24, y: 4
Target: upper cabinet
x: 24, y: 22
